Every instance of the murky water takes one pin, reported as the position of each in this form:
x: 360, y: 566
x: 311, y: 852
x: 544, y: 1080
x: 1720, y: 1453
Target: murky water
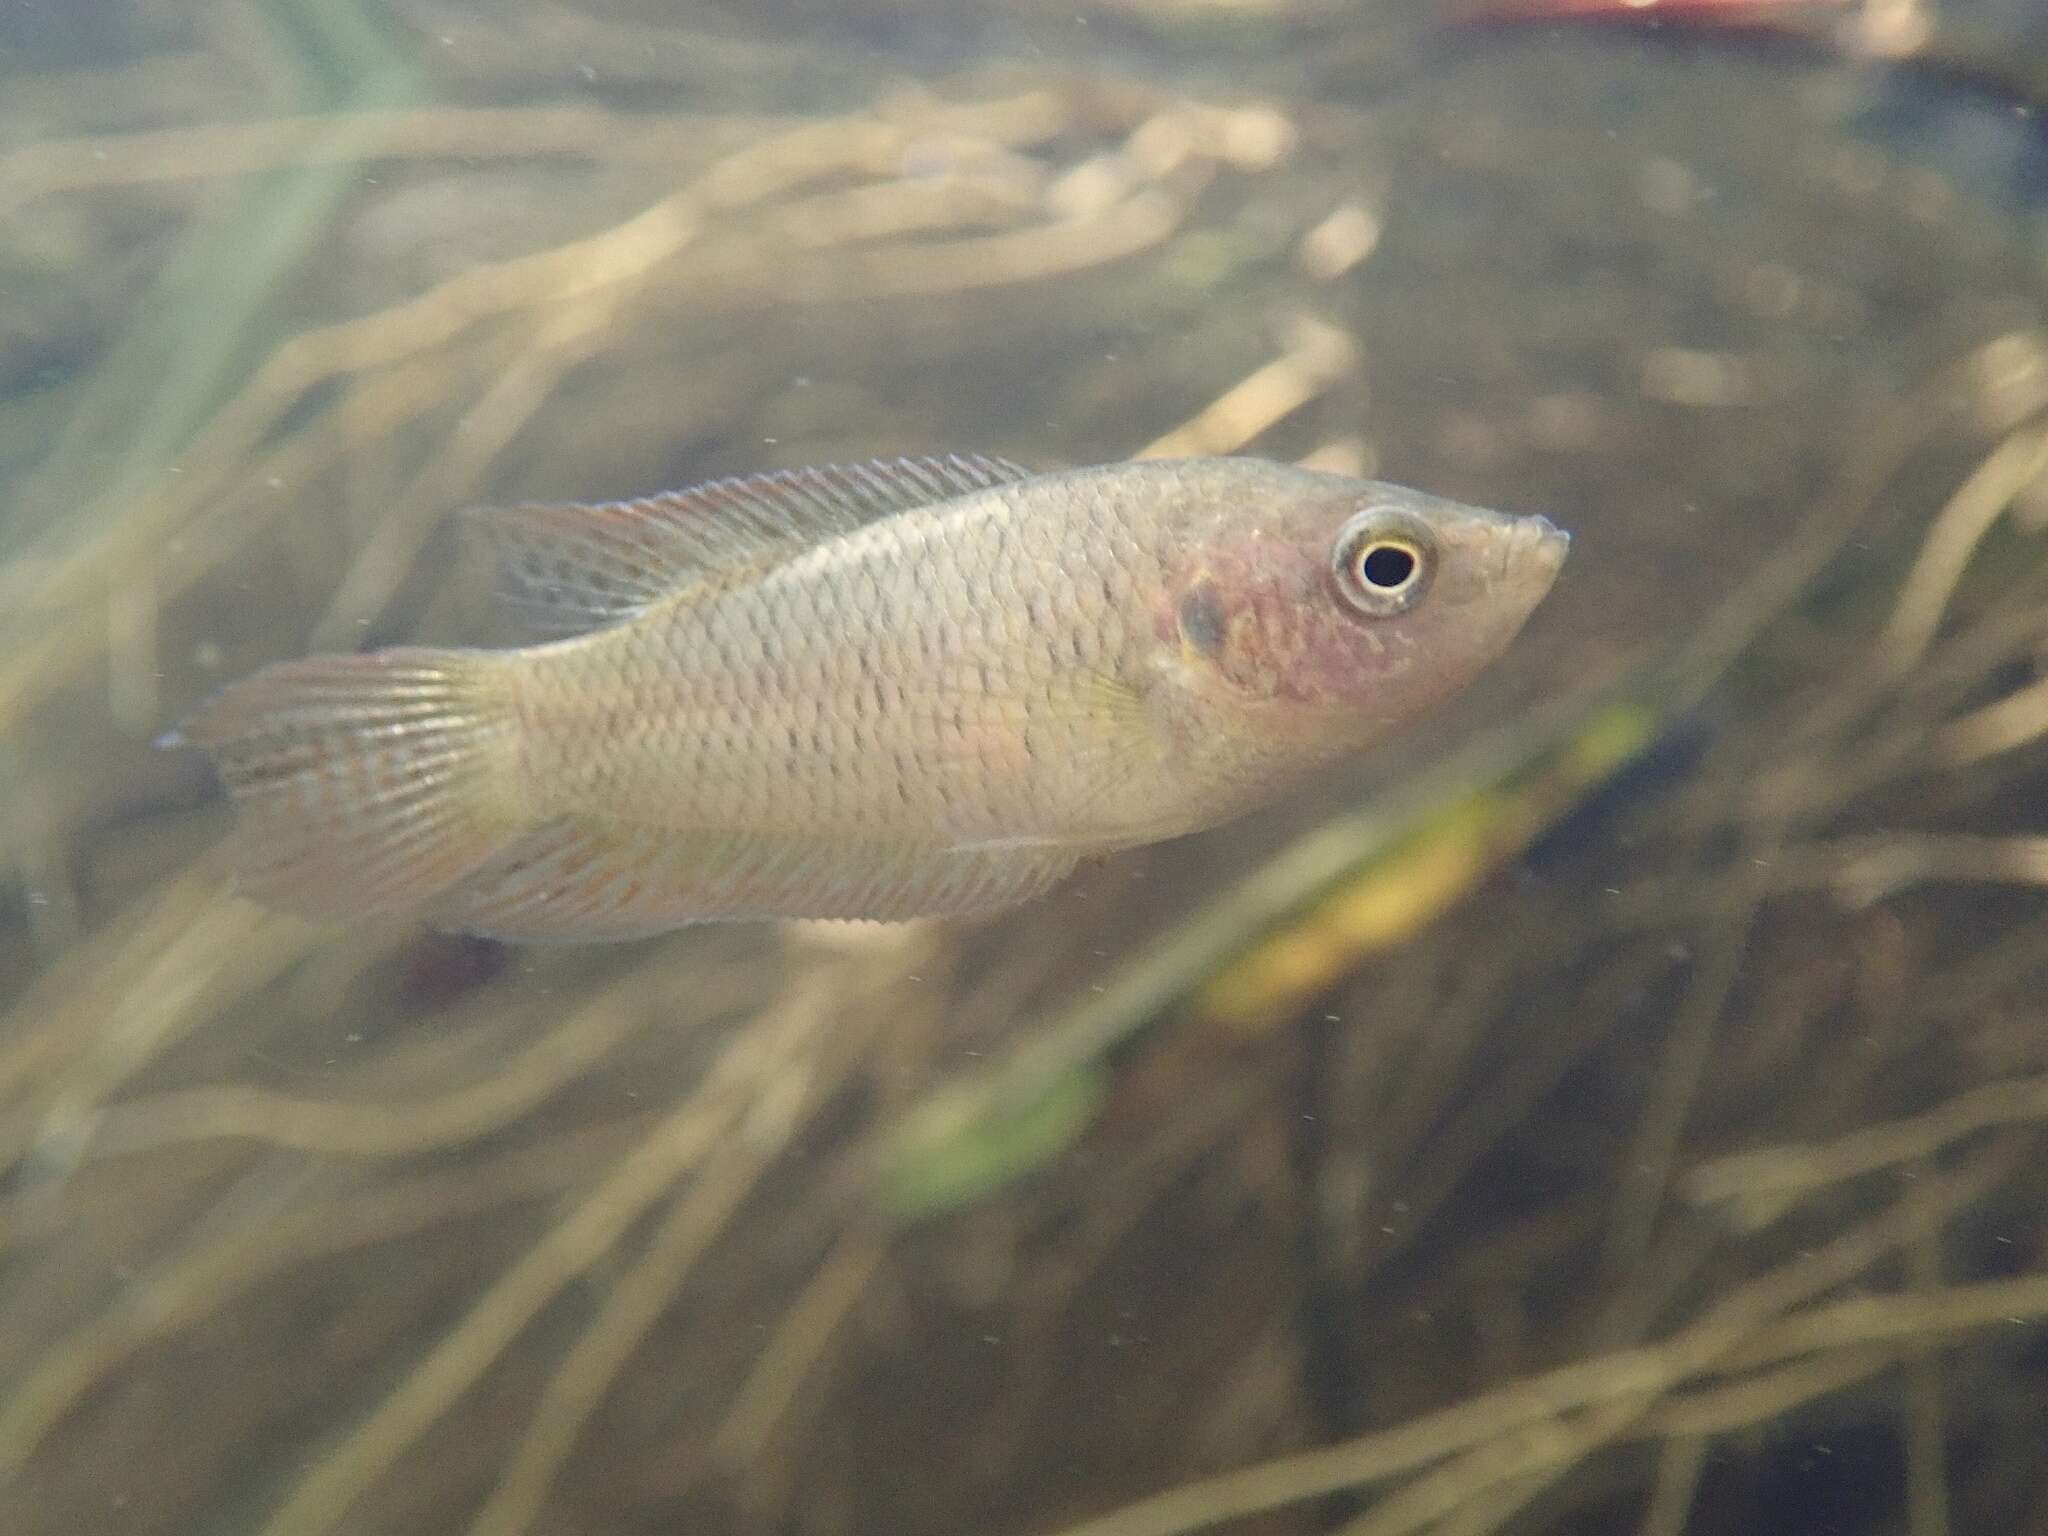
x: 1616, y: 1106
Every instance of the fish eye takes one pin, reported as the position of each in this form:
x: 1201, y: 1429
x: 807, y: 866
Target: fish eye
x: 1382, y: 562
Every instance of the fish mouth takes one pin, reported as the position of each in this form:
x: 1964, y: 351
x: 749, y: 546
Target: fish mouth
x: 1537, y: 546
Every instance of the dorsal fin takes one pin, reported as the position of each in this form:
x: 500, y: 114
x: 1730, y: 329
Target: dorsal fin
x: 570, y: 567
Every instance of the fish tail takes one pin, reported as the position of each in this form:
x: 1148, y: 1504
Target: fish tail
x: 369, y: 783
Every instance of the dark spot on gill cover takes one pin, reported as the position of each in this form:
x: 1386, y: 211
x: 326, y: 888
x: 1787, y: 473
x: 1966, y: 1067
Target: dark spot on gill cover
x: 1203, y: 623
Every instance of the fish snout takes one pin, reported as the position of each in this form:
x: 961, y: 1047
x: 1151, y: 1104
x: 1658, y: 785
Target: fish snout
x: 1537, y: 548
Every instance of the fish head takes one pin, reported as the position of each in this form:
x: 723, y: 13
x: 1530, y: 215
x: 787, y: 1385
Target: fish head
x: 1323, y: 612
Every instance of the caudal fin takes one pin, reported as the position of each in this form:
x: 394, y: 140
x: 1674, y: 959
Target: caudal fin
x: 366, y: 783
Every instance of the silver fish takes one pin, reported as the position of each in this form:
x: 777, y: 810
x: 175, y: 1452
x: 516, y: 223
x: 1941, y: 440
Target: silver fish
x: 921, y: 687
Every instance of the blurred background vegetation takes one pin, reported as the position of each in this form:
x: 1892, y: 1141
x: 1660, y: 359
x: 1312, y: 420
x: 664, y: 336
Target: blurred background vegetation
x: 1620, y: 1105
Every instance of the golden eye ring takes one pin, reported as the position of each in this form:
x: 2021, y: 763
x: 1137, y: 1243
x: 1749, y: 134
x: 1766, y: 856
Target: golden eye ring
x: 1382, y: 562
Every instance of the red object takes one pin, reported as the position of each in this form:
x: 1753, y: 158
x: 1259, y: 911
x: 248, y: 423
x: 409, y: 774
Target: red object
x: 1693, y: 12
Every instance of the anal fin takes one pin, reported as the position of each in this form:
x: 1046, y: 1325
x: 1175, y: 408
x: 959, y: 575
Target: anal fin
x: 584, y: 880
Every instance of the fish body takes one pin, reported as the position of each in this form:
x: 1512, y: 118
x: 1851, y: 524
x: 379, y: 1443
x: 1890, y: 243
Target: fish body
x: 927, y: 687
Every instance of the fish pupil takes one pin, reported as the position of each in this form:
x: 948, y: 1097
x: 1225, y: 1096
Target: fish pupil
x: 1388, y: 567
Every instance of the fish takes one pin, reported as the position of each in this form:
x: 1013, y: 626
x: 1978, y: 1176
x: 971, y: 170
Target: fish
x: 921, y: 687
